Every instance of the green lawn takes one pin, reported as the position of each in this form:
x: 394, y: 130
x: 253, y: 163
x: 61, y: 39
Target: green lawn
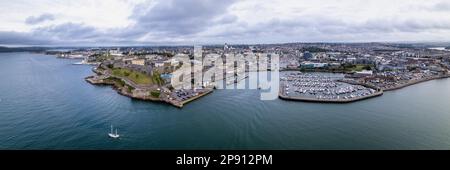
x: 137, y: 77
x: 359, y: 67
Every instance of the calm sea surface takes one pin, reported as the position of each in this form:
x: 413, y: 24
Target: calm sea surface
x: 46, y: 104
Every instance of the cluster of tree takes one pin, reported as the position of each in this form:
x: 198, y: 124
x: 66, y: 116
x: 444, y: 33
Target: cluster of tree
x: 116, y: 81
x: 156, y: 77
x: 166, y: 54
x: 23, y: 49
x: 155, y: 93
x: 126, y: 74
x: 404, y: 46
x: 130, y: 88
x: 314, y: 49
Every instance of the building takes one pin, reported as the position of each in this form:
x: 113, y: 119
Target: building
x: 363, y: 73
x: 307, y: 55
x: 313, y: 65
x: 140, y: 62
x: 116, y: 52
x: 158, y: 63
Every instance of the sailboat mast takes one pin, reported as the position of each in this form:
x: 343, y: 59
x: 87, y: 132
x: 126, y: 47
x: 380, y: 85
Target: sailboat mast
x: 111, y: 129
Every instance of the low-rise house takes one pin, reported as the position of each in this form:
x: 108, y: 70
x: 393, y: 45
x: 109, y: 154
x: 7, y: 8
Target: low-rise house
x: 138, y: 62
x: 313, y: 65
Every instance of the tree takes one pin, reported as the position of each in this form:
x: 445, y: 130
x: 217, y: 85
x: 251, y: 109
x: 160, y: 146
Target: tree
x: 367, y: 67
x: 157, y: 78
x: 155, y: 93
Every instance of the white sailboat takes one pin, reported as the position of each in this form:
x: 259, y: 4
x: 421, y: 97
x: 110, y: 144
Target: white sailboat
x: 112, y: 135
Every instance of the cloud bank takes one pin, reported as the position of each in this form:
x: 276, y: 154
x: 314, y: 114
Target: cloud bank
x: 39, y: 19
x: 166, y: 22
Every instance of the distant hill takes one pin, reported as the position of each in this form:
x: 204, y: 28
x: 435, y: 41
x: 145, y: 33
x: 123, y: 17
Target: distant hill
x: 314, y: 49
x: 22, y: 49
x: 448, y: 48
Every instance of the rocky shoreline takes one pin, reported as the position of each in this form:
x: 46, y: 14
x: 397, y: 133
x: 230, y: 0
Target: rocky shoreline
x: 95, y: 80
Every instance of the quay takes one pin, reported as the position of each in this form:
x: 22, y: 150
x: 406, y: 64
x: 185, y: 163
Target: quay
x: 182, y: 103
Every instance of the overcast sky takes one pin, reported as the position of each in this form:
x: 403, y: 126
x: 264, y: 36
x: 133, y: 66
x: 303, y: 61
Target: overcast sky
x: 165, y: 22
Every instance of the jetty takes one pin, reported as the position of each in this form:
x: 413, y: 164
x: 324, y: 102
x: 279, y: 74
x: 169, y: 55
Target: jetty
x: 341, y: 100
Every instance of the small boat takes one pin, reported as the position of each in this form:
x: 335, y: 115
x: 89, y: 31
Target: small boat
x: 112, y: 135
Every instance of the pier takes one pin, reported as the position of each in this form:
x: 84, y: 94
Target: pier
x: 315, y: 100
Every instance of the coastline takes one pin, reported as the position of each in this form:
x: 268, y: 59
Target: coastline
x: 416, y: 82
x: 94, y: 80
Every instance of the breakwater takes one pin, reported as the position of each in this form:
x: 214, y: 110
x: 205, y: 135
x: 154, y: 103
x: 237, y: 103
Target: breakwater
x: 309, y: 99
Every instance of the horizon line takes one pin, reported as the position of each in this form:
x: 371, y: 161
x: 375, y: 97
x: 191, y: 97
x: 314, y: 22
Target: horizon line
x: 218, y: 44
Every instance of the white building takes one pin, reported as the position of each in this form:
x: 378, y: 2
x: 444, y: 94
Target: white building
x: 364, y: 73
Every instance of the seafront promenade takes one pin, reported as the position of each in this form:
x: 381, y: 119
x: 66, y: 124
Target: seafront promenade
x: 399, y: 86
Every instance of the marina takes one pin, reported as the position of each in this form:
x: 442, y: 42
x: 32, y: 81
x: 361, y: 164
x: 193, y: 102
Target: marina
x: 320, y: 87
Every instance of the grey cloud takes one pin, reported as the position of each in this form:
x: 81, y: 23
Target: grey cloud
x: 412, y: 25
x: 206, y: 21
x: 441, y: 6
x: 180, y: 17
x: 67, y: 31
x: 316, y: 28
x: 226, y: 19
x: 275, y: 30
x: 39, y: 19
x: 11, y: 37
